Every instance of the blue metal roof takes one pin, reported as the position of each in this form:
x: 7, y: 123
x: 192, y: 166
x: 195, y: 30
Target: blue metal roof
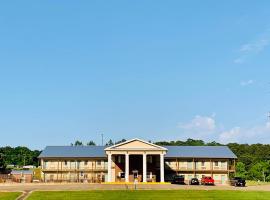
x: 173, y: 152
x: 199, y: 152
x: 73, y: 152
x: 21, y: 172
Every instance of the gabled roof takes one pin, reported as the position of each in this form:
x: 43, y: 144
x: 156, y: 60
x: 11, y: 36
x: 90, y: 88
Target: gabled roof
x: 73, y: 152
x: 141, y: 145
x: 199, y: 152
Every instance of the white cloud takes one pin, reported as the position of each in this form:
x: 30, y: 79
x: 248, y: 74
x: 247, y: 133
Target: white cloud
x: 252, y: 48
x: 246, y: 83
x: 239, y: 60
x: 259, y: 133
x: 255, y: 47
x: 206, y: 128
x: 199, y: 126
x: 230, y: 136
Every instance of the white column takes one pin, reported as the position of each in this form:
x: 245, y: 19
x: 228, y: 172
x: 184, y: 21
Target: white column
x: 144, y: 168
x: 162, y: 167
x: 127, y: 168
x: 109, y: 167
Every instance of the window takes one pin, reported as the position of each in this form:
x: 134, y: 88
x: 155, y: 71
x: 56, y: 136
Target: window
x: 119, y: 159
x: 45, y: 164
x: 202, y: 163
x: 86, y: 162
x: 99, y: 162
x: 216, y: 163
x: 189, y: 165
x: 223, y: 164
x: 65, y: 163
x: 149, y: 159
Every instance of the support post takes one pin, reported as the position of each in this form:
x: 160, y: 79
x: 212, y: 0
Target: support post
x: 109, y: 167
x: 144, y: 168
x: 211, y: 166
x: 194, y: 167
x: 234, y: 167
x: 162, y: 168
x: 127, y: 168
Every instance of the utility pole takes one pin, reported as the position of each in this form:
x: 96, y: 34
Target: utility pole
x: 102, y: 139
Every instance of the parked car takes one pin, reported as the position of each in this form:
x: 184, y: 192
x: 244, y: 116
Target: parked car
x: 178, y: 179
x: 237, y: 181
x: 207, y: 180
x: 194, y: 181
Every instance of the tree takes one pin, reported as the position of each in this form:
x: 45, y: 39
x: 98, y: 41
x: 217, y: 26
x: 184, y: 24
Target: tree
x: 109, y: 143
x: 191, y: 142
x: 120, y: 141
x: 214, y: 143
x: 91, y: 143
x: 241, y: 170
x: 2, y: 162
x: 260, y: 171
x: 77, y: 143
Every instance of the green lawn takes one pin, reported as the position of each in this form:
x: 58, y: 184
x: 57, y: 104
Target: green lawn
x: 149, y: 194
x: 9, y: 195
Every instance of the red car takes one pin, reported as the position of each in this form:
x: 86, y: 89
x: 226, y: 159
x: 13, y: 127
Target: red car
x: 207, y: 180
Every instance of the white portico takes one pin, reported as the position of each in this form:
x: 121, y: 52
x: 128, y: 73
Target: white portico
x: 135, y: 159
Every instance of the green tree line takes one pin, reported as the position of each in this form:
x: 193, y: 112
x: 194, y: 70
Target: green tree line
x: 18, y: 156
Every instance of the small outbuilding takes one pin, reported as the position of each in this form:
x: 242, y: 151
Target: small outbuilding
x: 22, y: 176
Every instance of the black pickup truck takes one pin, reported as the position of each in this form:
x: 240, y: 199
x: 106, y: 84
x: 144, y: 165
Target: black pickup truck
x: 238, y: 182
x: 178, y: 179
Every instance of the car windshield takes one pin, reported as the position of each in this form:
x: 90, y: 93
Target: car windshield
x: 237, y: 178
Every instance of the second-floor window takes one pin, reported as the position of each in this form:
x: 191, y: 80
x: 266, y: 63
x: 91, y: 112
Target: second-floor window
x: 65, y: 163
x: 45, y: 164
x: 216, y: 163
x: 99, y: 162
x: 223, y: 164
x: 85, y: 163
x: 203, y: 163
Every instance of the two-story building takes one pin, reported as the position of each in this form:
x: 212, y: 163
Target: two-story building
x: 135, y: 159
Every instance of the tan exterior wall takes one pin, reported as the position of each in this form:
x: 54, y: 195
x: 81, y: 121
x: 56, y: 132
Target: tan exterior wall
x: 80, y: 170
x: 202, y: 164
x: 95, y: 170
x: 218, y: 169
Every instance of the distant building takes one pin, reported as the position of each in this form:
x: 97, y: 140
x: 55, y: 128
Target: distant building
x: 22, y: 176
x: 135, y: 159
x: 29, y: 167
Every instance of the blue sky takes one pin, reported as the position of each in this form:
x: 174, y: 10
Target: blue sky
x: 149, y: 69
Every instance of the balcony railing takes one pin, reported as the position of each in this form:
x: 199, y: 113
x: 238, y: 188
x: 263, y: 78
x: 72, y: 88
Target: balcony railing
x: 201, y: 168
x: 101, y: 168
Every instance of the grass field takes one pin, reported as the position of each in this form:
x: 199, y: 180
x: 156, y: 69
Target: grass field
x: 150, y: 195
x: 9, y: 195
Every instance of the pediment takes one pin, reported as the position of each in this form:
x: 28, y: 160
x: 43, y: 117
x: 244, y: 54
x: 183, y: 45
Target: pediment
x: 135, y: 144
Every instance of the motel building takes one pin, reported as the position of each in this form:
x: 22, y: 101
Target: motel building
x: 135, y: 160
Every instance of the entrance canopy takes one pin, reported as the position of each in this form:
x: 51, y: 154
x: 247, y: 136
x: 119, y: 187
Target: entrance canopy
x: 135, y: 147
